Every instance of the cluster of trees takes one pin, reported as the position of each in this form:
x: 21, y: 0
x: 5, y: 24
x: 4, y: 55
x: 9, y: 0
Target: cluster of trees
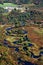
x: 19, y: 19
x: 1, y: 20
x: 36, y: 15
x: 14, y: 1
x: 2, y: 10
x: 22, y: 1
x: 37, y: 2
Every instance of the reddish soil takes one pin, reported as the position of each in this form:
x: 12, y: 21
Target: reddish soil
x: 34, y: 37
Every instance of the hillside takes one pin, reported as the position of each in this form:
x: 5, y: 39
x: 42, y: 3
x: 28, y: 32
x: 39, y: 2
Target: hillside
x: 15, y: 1
x: 7, y: 4
x: 21, y: 1
x: 38, y: 3
x: 21, y: 32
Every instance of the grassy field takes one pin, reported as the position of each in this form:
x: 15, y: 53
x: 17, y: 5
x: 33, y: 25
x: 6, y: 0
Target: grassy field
x: 38, y: 31
x: 7, y: 4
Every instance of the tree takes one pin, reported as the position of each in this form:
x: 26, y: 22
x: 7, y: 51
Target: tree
x: 1, y: 19
x: 2, y: 10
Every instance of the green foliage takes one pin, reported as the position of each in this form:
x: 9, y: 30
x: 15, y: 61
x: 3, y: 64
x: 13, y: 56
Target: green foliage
x: 15, y: 1
x: 2, y: 10
x: 1, y: 18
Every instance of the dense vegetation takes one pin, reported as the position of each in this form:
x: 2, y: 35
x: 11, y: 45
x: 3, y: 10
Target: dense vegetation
x: 14, y: 1
x: 22, y: 1
x: 2, y: 10
x: 20, y: 19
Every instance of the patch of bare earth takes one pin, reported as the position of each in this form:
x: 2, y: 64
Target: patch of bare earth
x: 34, y: 37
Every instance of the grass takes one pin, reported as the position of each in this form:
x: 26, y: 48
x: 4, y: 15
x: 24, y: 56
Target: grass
x: 39, y: 31
x: 7, y: 4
